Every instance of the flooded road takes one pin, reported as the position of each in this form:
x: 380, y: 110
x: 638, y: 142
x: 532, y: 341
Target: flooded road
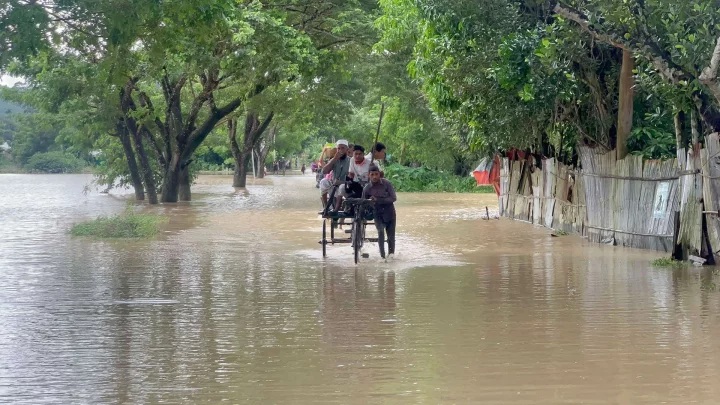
x: 234, y: 303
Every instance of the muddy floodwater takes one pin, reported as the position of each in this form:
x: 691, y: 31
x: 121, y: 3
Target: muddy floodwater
x: 233, y: 303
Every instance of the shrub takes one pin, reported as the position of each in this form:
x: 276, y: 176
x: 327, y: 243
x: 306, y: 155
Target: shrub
x: 127, y: 225
x: 7, y: 165
x: 665, y: 262
x: 651, y: 143
x: 422, y: 179
x: 55, y: 162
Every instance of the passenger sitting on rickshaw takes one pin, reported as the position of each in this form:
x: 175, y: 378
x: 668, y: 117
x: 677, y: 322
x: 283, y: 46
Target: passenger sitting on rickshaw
x: 339, y: 165
x: 325, y: 185
x: 360, y: 166
x: 358, y: 175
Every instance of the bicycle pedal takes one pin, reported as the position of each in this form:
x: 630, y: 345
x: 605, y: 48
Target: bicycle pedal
x: 348, y: 231
x: 365, y: 255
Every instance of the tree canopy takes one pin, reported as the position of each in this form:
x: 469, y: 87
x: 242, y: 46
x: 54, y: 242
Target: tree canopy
x: 158, y: 86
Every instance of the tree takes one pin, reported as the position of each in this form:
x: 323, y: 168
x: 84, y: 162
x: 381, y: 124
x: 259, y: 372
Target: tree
x: 262, y: 150
x: 521, y: 74
x: 8, y: 128
x: 253, y: 131
x: 197, y: 61
x: 677, y: 42
x: 34, y: 133
x: 477, y: 67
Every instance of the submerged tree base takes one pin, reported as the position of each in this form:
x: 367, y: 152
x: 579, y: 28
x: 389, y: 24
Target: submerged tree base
x: 128, y: 225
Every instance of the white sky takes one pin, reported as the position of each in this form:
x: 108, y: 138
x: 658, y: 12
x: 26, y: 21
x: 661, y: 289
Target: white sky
x: 9, y: 81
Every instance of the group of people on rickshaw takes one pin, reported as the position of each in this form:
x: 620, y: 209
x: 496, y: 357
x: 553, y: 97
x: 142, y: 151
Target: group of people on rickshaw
x: 351, y: 173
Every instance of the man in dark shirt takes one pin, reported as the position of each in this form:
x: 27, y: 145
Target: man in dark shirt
x: 382, y: 193
x: 339, y: 166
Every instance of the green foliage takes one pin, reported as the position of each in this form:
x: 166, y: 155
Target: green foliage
x: 127, y: 225
x: 8, y: 128
x: 458, y: 78
x: 673, y: 43
x: 666, y: 262
x: 187, y: 62
x: 651, y: 143
x: 422, y: 179
x: 500, y: 74
x: 214, y: 154
x: 55, y: 162
x: 9, y: 107
x: 312, y: 147
x: 34, y: 133
x: 8, y: 165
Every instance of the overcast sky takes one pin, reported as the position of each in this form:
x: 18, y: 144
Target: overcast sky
x: 6, y: 80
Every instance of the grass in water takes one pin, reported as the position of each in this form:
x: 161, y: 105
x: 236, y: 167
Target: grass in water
x: 665, y: 262
x: 129, y: 225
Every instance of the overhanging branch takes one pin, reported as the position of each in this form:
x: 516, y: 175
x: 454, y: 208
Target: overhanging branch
x: 709, y: 74
x: 648, y: 50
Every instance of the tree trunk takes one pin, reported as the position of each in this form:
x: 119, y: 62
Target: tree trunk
x: 170, y: 184
x: 459, y: 166
x: 136, y: 131
x: 260, y: 163
x: 264, y: 151
x: 184, y: 183
x: 625, y: 109
x: 240, y: 172
x: 253, y: 131
x: 147, y: 171
x: 679, y: 141
x: 240, y: 175
x: 132, y: 163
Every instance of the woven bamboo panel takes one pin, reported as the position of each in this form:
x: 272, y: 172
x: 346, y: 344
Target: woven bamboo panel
x: 626, y: 201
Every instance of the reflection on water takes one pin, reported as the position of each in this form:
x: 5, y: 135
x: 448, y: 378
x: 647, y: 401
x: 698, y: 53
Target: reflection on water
x: 235, y: 303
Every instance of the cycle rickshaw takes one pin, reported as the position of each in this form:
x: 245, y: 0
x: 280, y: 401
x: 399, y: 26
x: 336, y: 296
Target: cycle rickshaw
x: 357, y: 209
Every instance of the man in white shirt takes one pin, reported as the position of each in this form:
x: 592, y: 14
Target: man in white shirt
x: 358, y: 172
x: 359, y: 166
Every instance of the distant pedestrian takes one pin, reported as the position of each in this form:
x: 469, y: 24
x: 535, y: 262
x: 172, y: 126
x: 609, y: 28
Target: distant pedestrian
x: 302, y: 169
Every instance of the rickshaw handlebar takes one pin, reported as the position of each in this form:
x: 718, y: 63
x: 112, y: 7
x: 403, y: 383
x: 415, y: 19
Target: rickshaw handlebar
x: 358, y: 201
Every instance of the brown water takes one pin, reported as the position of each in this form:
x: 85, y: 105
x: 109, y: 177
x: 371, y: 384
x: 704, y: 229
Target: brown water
x: 234, y: 303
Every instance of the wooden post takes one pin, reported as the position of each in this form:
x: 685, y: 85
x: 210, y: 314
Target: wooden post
x: 678, y: 251
x: 625, y: 109
x: 707, y: 247
x: 377, y: 134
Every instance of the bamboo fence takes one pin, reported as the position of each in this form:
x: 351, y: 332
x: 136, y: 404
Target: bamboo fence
x: 647, y: 204
x: 609, y: 201
x: 623, y: 205
x: 550, y: 195
x: 710, y: 165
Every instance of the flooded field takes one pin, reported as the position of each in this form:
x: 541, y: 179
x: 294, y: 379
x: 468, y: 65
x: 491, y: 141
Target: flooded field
x: 234, y: 303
